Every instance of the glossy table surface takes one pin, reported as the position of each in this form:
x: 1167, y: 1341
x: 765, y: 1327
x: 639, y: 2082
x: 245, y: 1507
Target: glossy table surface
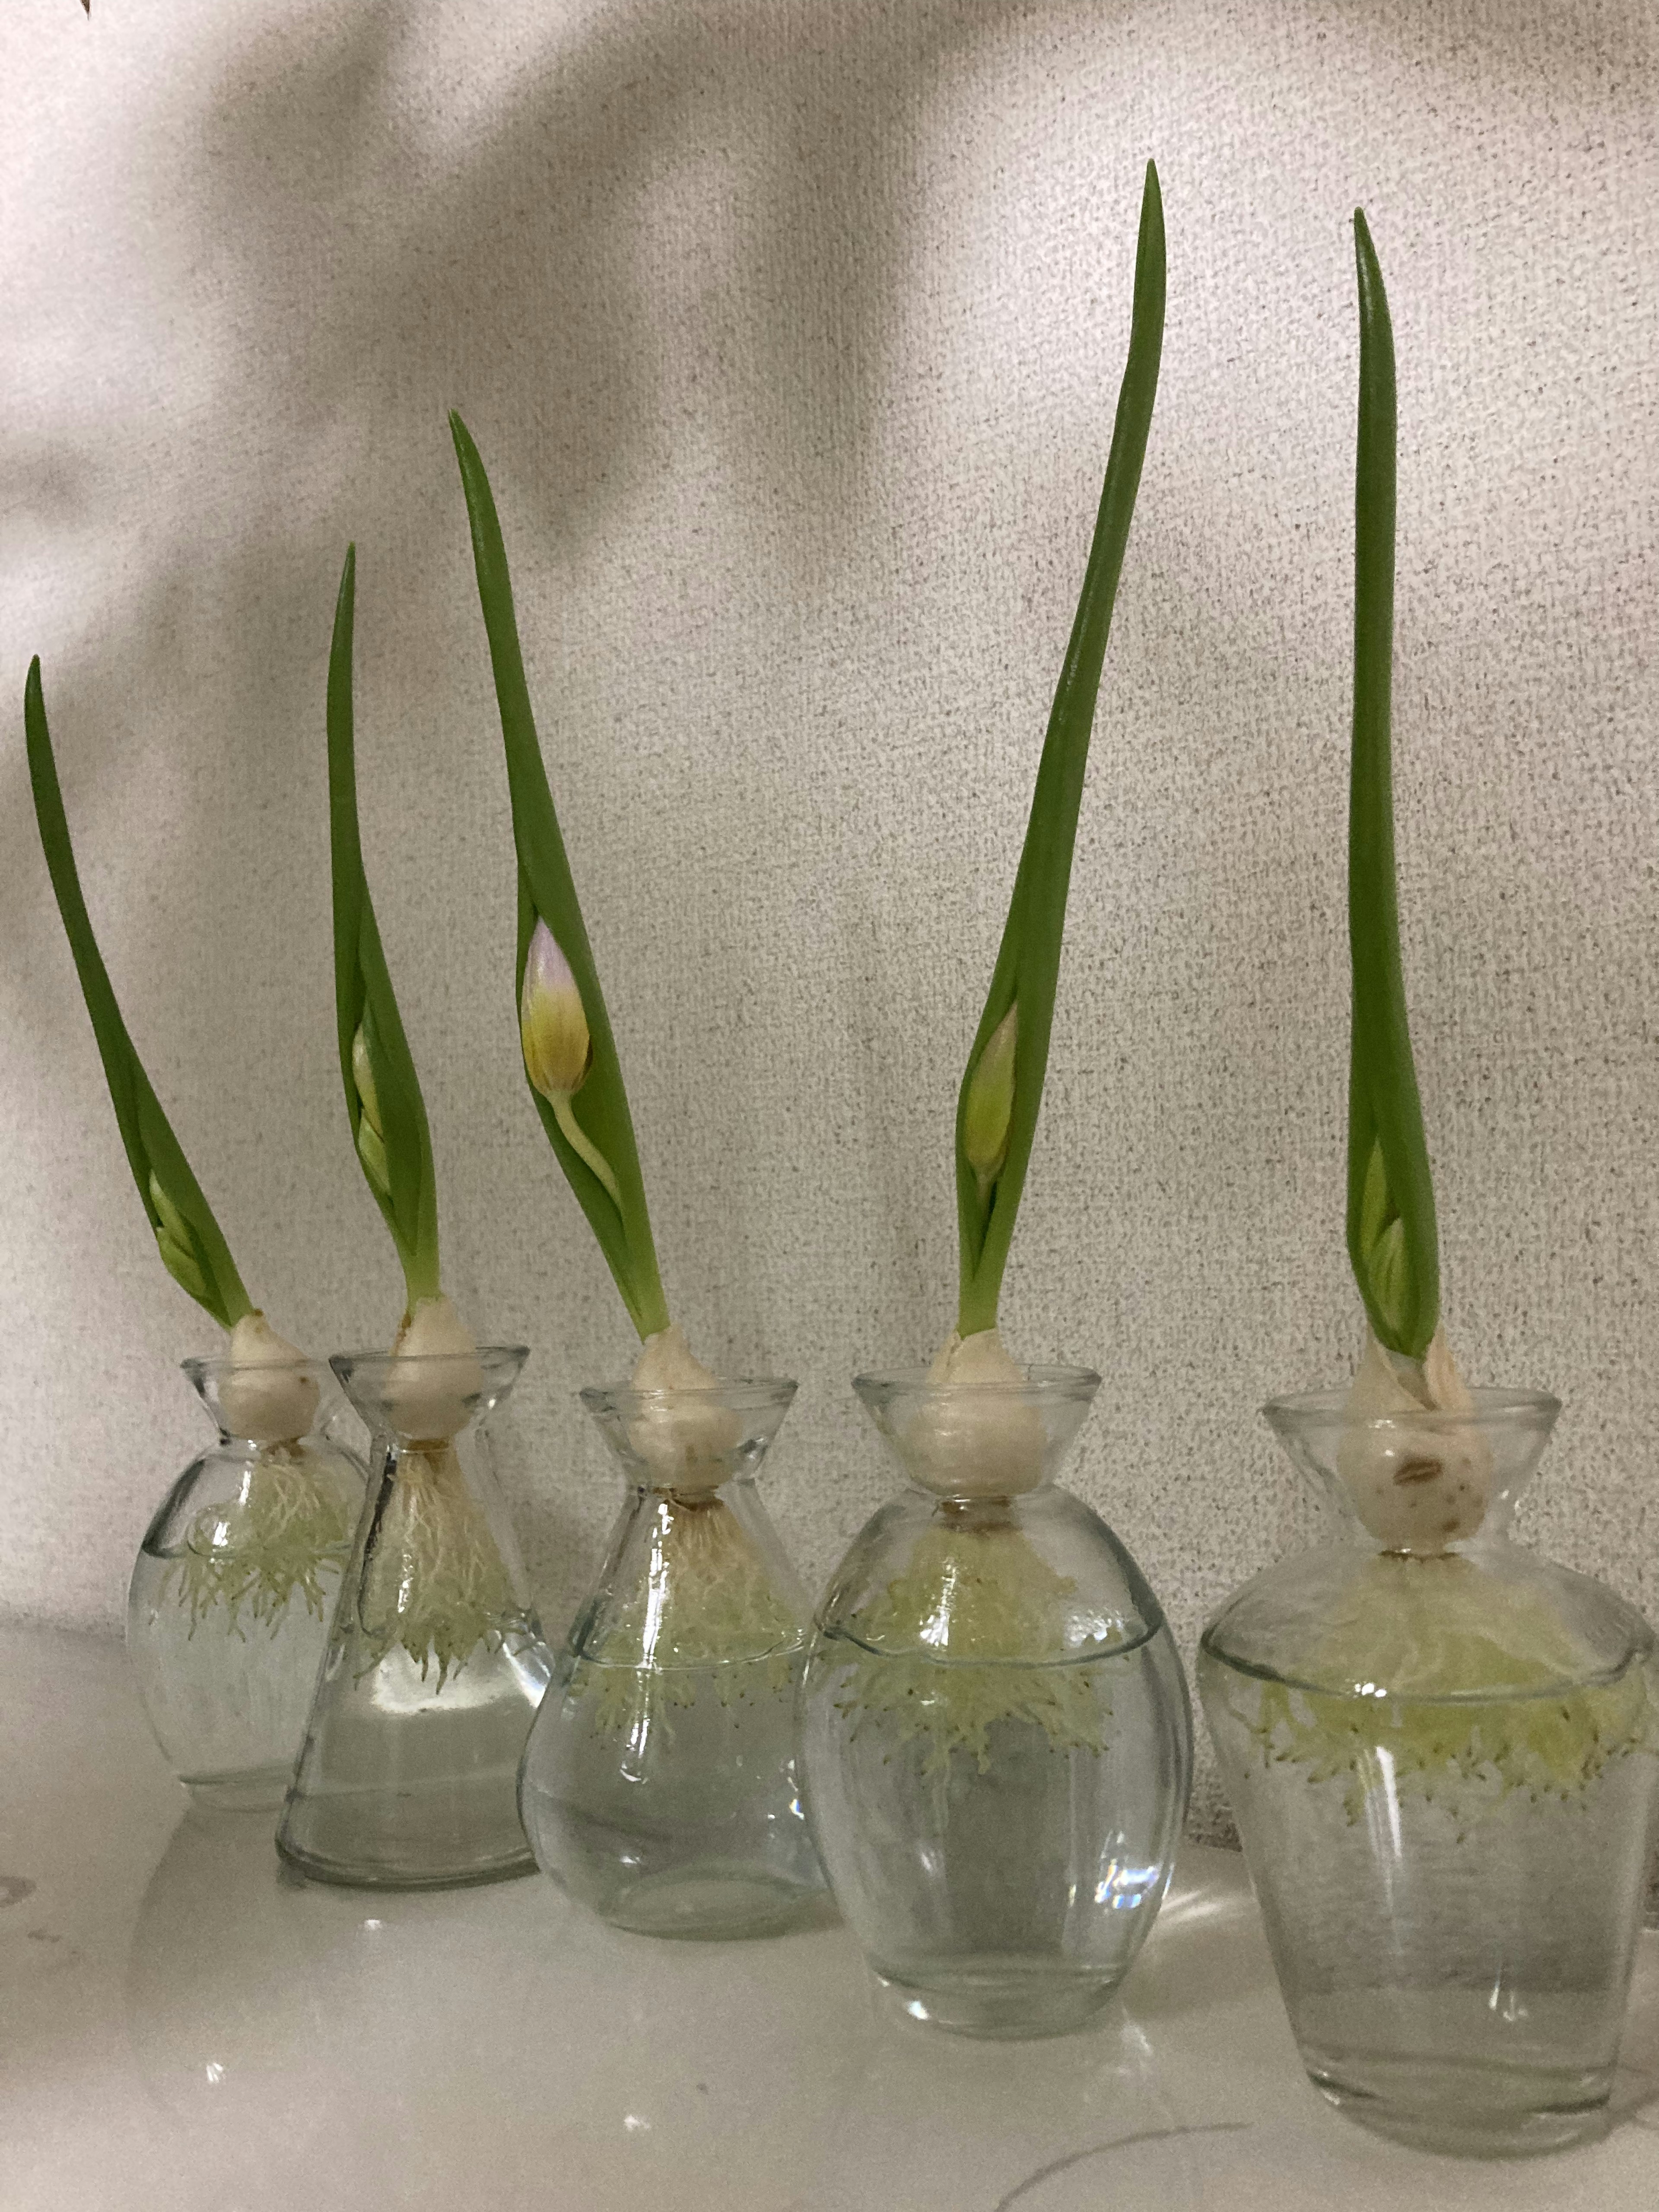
x: 181, y: 2026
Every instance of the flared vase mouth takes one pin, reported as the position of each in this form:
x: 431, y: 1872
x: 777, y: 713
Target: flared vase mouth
x: 1307, y: 1414
x: 691, y: 1442
x: 1041, y: 1385
x: 427, y: 1397
x: 211, y: 1374
x: 746, y: 1394
x: 969, y: 1444
x: 257, y: 1401
x: 1418, y: 1480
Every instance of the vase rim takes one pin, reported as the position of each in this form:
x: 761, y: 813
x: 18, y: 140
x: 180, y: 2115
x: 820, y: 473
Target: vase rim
x: 742, y: 1394
x: 210, y: 1368
x: 1492, y: 1409
x: 348, y: 1363
x: 1037, y: 1381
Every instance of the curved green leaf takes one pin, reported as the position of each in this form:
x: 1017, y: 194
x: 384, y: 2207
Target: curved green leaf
x: 1393, y: 1241
x: 622, y: 1224
x: 382, y: 1092
x: 191, y: 1242
x: 1027, y: 972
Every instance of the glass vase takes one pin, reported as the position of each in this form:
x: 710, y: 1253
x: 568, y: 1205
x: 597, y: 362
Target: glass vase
x: 997, y: 1733
x: 1438, y: 1748
x: 235, y: 1581
x: 660, y: 1783
x: 435, y: 1666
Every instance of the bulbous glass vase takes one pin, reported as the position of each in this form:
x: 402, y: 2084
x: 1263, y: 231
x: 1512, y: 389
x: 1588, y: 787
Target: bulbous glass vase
x: 660, y: 1783
x: 1439, y: 1750
x: 435, y: 1666
x: 235, y: 1581
x: 997, y: 1733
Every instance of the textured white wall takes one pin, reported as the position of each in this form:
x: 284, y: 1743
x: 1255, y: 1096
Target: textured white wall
x: 792, y: 334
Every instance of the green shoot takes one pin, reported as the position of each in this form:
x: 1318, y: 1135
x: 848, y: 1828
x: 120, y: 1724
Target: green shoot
x: 1002, y: 1089
x: 1392, y: 1238
x: 584, y: 1107
x: 382, y: 1092
x: 193, y: 1247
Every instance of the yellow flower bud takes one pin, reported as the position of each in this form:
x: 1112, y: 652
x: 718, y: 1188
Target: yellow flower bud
x: 552, y: 1025
x: 989, y: 1107
x: 558, y: 1050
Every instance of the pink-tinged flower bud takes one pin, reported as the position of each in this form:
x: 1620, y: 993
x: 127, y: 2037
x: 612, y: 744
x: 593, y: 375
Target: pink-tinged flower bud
x: 552, y: 1025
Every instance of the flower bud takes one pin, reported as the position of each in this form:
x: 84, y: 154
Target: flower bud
x: 175, y: 1243
x: 371, y: 1138
x: 552, y: 1024
x: 362, y: 1074
x: 989, y: 1107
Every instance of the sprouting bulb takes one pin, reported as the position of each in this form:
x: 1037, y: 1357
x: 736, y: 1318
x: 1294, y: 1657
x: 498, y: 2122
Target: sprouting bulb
x: 686, y: 1439
x: 977, y: 1433
x: 432, y: 1396
x: 268, y: 1394
x: 1419, y: 1478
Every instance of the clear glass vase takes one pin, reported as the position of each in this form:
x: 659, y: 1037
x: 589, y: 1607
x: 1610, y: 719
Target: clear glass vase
x: 1439, y: 1750
x: 660, y: 1783
x: 235, y: 1581
x: 435, y: 1666
x: 997, y: 1734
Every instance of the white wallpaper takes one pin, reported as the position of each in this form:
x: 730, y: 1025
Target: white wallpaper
x: 791, y: 333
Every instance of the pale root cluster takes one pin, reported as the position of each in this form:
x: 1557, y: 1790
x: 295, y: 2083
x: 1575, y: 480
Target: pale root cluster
x: 1418, y: 1486
x: 289, y: 1527
x: 435, y: 1583
x: 1435, y: 1679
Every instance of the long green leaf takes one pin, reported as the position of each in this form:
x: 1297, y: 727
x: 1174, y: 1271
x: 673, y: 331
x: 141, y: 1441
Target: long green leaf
x: 191, y: 1242
x: 398, y: 1169
x: 1392, y: 1238
x: 622, y: 1224
x: 1027, y: 971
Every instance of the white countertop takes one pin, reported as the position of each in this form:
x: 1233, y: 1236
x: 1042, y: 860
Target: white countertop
x: 182, y: 2029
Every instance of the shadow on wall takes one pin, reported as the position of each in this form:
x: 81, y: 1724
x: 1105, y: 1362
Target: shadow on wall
x: 345, y: 264
x: 354, y: 282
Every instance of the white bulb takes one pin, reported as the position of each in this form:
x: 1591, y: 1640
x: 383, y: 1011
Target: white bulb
x: 989, y: 1441
x: 685, y: 1446
x: 431, y: 1405
x: 266, y: 1396
x: 1417, y: 1487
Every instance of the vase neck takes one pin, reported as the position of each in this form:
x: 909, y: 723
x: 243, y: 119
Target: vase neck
x: 692, y: 1577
